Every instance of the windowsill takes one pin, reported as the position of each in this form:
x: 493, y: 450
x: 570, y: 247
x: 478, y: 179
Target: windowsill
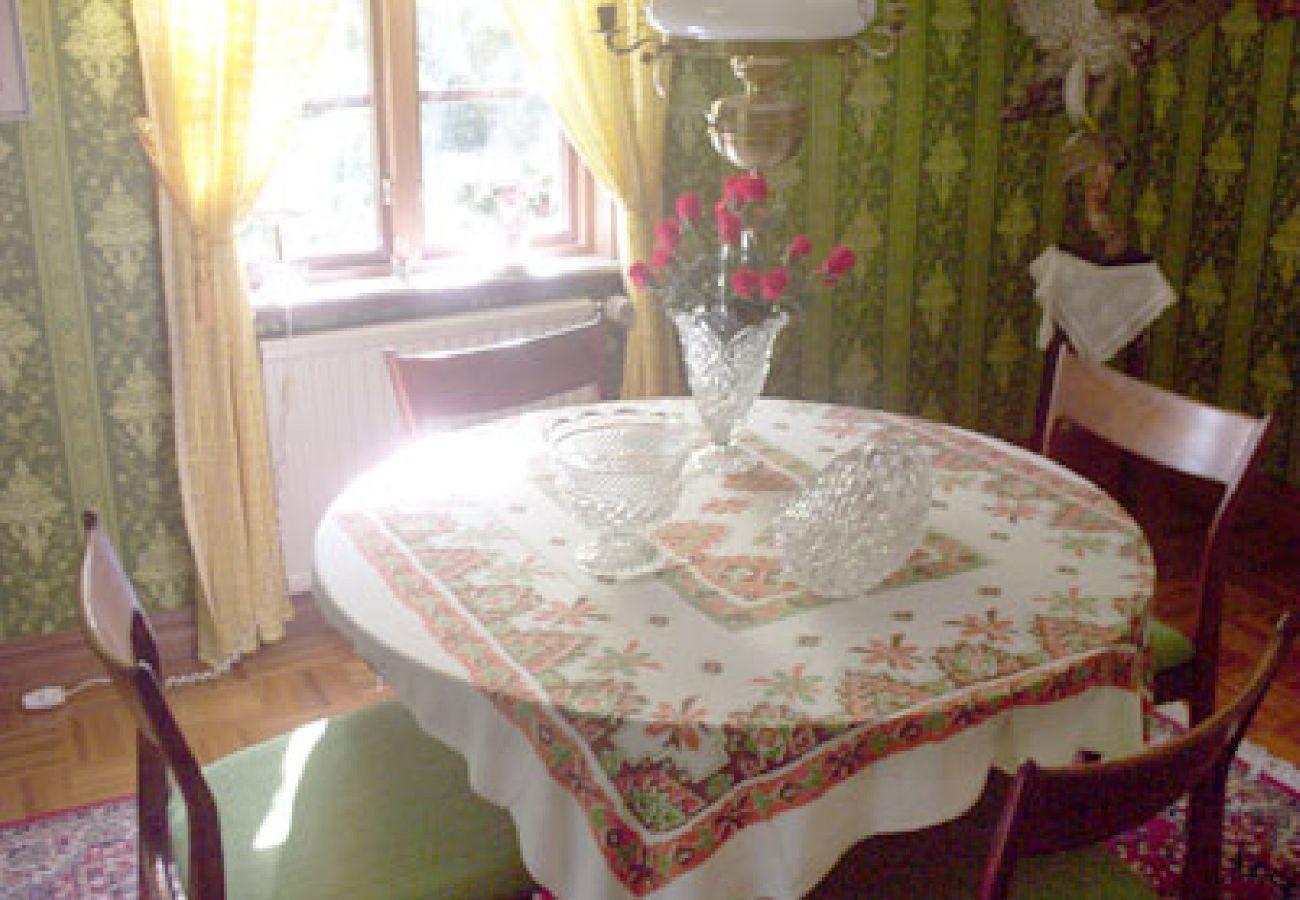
x: 442, y: 290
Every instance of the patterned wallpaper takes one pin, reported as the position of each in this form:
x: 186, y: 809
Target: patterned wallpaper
x: 84, y: 382
x: 907, y: 161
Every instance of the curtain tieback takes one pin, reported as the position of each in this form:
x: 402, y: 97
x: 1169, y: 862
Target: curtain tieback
x: 203, y: 279
x: 205, y: 250
x: 147, y: 135
x: 204, y: 288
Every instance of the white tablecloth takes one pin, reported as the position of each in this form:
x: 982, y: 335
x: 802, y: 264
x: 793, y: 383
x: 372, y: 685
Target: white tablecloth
x: 715, y: 730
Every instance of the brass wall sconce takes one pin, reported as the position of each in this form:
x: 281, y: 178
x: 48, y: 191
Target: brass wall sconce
x: 763, y: 126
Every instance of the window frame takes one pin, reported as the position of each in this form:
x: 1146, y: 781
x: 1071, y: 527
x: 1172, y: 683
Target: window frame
x: 395, y: 96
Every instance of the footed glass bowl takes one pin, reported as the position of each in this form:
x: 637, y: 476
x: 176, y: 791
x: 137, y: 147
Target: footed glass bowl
x: 618, y: 471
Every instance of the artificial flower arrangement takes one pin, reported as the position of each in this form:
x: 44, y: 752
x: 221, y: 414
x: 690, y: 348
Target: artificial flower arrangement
x: 514, y: 203
x: 738, y: 266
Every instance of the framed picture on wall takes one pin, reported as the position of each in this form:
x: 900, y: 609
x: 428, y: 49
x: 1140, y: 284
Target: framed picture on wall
x: 15, y: 90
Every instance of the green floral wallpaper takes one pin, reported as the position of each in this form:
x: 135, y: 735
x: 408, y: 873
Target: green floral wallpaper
x: 83, y: 363
x: 907, y: 161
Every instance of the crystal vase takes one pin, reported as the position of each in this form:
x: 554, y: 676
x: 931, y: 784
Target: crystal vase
x: 727, y: 362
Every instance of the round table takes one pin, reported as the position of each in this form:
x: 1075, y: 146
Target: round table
x: 715, y: 730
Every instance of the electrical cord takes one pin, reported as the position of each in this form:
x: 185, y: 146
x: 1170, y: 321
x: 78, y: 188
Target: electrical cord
x: 53, y: 696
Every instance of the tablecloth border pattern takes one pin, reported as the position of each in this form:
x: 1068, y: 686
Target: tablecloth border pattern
x: 645, y: 863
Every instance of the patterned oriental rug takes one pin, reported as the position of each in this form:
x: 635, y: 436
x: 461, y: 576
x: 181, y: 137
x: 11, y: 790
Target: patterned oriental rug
x: 88, y: 853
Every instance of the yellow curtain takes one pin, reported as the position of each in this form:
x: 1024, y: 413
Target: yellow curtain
x: 224, y: 82
x: 615, y: 119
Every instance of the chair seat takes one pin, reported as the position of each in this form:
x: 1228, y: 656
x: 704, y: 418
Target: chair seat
x: 1169, y: 647
x: 364, y: 805
x: 1086, y: 874
x: 947, y: 861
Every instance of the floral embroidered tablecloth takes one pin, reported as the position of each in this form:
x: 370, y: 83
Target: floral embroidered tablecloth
x: 668, y: 716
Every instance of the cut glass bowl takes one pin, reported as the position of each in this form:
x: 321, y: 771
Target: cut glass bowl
x: 858, y: 521
x: 618, y: 471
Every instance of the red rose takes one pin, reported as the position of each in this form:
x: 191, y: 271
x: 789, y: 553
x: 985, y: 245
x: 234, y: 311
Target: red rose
x: 841, y: 260
x: 837, y: 264
x: 660, y: 258
x: 688, y: 207
x: 732, y: 190
x: 640, y: 275
x: 774, y: 283
x: 729, y: 224
x: 667, y: 234
x: 752, y: 188
x: 799, y: 247
x: 744, y: 282
x: 741, y: 189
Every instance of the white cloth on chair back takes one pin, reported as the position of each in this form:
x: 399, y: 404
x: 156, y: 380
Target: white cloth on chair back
x: 1100, y: 308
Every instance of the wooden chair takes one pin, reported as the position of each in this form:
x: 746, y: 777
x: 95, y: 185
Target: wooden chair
x: 1132, y: 359
x: 1039, y: 836
x: 1211, y: 445
x: 449, y: 388
x: 1049, y: 810
x: 361, y: 805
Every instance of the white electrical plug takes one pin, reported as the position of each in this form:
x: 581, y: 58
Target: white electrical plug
x: 52, y: 696
x: 45, y: 698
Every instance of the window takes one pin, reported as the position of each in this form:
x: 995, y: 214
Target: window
x: 422, y: 139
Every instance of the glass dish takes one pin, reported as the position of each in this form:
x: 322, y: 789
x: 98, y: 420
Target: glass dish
x: 858, y: 521
x: 619, y: 470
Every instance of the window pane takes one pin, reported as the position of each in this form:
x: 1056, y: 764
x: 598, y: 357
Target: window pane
x: 466, y: 43
x: 491, y: 167
x: 344, y: 69
x: 324, y: 190
x: 323, y: 195
x: 493, y: 155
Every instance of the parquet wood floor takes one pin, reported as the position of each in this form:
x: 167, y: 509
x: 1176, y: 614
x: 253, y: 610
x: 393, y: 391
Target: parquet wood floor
x: 1264, y: 582
x: 83, y: 751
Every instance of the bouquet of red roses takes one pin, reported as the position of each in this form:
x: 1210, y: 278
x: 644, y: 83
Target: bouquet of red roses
x: 735, y: 264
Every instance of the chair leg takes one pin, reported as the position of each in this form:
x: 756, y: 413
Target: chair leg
x: 153, y: 836
x: 1199, y: 708
x: 1050, y: 356
x: 1202, y: 869
x: 1200, y: 702
x: 144, y: 880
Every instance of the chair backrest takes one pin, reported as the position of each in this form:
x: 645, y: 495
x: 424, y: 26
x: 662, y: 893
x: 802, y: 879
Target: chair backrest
x: 1173, y: 431
x: 1048, y: 810
x: 1161, y: 426
x: 119, y: 633
x: 434, y: 389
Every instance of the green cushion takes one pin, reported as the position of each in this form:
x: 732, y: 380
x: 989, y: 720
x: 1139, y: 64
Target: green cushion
x: 363, y: 805
x: 1090, y: 872
x: 911, y: 873
x: 946, y: 861
x: 1169, y: 647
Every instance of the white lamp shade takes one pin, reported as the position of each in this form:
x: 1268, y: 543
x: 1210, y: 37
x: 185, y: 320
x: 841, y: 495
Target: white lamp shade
x: 760, y: 20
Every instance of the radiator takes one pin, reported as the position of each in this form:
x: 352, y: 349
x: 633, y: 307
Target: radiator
x: 331, y: 412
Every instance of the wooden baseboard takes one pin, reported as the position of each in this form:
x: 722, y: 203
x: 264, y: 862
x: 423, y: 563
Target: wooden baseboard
x: 62, y: 658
